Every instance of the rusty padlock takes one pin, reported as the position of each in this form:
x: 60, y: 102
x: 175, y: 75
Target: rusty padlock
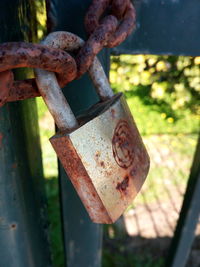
x: 101, y: 151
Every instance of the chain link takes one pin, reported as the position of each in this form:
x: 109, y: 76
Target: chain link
x: 109, y: 31
x: 107, y: 22
x: 19, y: 54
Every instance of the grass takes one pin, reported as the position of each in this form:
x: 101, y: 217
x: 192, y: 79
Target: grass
x: 47, y: 130
x: 154, y: 119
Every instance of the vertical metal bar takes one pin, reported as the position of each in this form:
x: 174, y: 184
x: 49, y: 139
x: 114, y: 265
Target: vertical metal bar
x: 23, y: 224
x: 82, y: 238
x: 184, y: 233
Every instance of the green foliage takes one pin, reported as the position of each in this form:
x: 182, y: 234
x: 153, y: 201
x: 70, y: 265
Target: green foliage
x: 47, y: 130
x: 42, y: 108
x: 164, y: 87
x: 41, y: 18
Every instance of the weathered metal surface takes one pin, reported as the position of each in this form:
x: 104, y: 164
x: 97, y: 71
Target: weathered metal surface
x: 22, y: 91
x: 109, y: 163
x: 94, y: 12
x: 119, y: 7
x: 167, y: 27
x: 19, y: 54
x: 79, y: 177
x: 55, y: 100
x: 96, y: 41
x: 123, y: 10
x: 12, y: 91
x: 50, y: 90
x: 105, y: 32
x: 6, y: 81
x: 188, y: 219
x: 23, y: 222
x: 100, y: 80
x: 125, y: 28
x: 70, y: 42
x: 108, y: 32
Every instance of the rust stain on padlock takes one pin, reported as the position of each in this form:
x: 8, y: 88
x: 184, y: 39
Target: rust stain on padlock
x: 99, y: 163
x: 113, y: 113
x: 123, y: 146
x: 111, y: 161
x: 102, y: 164
x: 79, y: 178
x: 122, y: 187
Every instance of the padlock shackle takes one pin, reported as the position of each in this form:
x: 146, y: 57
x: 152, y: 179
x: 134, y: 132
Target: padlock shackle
x: 56, y: 102
x: 70, y: 42
x: 52, y: 93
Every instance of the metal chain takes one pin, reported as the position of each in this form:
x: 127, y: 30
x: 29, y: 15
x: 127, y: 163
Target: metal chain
x: 109, y: 31
x: 108, y: 23
x: 123, y: 10
x: 20, y: 54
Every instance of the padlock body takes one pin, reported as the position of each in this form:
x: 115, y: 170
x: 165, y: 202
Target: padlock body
x: 105, y: 159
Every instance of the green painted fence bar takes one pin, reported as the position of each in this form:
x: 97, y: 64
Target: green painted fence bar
x: 167, y: 27
x: 188, y: 219
x: 23, y: 222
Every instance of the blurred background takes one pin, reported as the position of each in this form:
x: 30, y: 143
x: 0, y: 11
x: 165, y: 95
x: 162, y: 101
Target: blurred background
x: 163, y: 95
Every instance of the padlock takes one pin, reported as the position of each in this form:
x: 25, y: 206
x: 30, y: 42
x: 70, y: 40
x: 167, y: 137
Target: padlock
x: 101, y: 151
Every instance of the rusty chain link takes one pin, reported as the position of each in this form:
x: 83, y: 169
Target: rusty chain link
x: 123, y: 10
x: 108, y: 31
x: 20, y: 54
x: 107, y: 22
